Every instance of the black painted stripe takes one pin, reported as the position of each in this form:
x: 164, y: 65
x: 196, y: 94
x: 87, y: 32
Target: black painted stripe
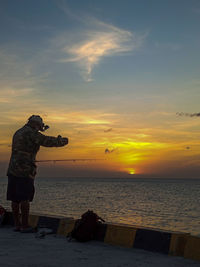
x: 152, y: 240
x: 101, y: 231
x: 8, y: 219
x: 49, y: 222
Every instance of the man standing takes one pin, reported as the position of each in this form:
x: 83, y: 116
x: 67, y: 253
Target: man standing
x: 22, y: 168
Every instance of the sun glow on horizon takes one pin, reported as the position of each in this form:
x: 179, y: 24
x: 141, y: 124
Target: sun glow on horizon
x: 131, y: 171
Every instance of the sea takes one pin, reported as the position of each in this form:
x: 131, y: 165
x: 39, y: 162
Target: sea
x: 167, y: 204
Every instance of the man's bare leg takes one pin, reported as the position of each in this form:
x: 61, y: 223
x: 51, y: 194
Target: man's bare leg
x: 25, y: 206
x: 16, y: 215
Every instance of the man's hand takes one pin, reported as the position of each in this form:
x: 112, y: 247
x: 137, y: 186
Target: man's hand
x: 64, y: 141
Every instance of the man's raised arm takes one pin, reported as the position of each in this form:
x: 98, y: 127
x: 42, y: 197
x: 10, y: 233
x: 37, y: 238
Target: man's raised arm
x: 50, y: 141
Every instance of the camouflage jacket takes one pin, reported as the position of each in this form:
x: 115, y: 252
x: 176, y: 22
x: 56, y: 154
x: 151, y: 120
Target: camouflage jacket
x: 25, y: 145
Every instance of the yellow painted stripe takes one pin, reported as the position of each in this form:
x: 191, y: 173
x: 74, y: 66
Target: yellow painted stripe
x: 66, y: 225
x: 120, y: 235
x: 177, y: 244
x: 192, y: 248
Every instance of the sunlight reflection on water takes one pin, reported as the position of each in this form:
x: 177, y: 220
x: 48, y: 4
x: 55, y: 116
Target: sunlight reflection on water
x: 164, y: 204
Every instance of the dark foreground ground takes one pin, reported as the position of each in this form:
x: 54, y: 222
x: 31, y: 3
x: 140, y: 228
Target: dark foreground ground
x: 25, y: 250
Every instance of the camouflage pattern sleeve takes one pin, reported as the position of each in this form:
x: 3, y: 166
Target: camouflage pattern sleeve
x: 50, y: 141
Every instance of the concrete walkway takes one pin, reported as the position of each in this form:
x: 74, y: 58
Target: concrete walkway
x: 24, y: 250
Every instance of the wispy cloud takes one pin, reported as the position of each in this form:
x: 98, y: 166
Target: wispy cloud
x: 80, y: 118
x: 18, y: 78
x: 17, y: 71
x: 11, y: 65
x: 8, y: 95
x: 108, y: 130
x: 95, y: 43
x: 188, y: 114
x: 168, y: 46
x: 5, y: 144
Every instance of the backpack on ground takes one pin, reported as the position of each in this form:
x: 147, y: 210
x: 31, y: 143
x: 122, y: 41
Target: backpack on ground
x: 2, y: 214
x: 86, y: 227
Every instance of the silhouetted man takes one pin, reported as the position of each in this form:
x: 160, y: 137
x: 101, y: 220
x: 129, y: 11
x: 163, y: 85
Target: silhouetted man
x: 22, y: 168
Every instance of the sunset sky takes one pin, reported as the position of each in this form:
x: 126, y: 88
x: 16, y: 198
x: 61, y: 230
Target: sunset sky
x: 110, y: 75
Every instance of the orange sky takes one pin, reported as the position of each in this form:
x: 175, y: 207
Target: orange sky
x: 122, y: 147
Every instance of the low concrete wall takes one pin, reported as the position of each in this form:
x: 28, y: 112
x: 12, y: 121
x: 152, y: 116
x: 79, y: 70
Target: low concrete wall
x: 167, y: 242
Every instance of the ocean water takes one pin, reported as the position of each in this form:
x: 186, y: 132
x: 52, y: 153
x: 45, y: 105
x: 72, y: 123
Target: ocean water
x: 168, y: 204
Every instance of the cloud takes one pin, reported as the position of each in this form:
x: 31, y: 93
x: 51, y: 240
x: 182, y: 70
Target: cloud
x: 108, y: 151
x: 68, y: 12
x: 12, y: 65
x: 188, y: 114
x: 80, y: 118
x: 101, y: 41
x: 141, y: 135
x: 5, y: 144
x: 8, y: 95
x: 168, y: 46
x: 18, y: 76
x: 108, y: 130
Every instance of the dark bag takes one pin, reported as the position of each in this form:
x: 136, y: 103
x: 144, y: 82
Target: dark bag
x: 86, y: 227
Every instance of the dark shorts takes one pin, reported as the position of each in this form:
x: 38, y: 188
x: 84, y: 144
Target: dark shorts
x: 20, y: 189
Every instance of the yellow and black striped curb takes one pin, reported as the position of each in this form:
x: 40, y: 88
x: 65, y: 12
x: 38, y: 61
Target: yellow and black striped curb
x: 167, y: 242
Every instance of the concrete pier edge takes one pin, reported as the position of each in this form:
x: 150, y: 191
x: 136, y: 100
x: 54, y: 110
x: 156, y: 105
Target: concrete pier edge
x: 131, y: 236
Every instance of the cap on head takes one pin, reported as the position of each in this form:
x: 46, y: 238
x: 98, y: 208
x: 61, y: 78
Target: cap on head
x: 37, y: 119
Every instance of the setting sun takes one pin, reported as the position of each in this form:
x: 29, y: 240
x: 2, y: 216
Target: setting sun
x: 131, y: 171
